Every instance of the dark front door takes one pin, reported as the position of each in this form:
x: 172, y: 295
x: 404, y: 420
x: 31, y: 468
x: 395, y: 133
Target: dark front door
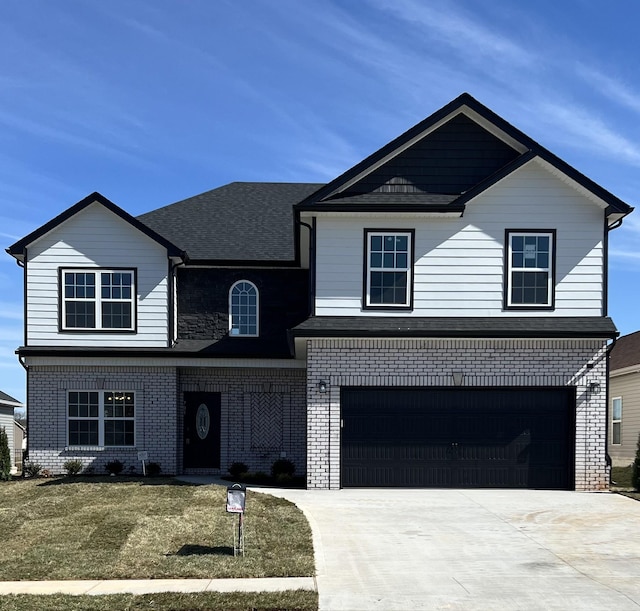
x: 449, y: 437
x: 202, y: 430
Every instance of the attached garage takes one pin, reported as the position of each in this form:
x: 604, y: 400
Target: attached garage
x: 458, y: 437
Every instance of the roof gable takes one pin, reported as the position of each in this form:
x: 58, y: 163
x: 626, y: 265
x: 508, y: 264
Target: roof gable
x: 459, y: 151
x: 625, y: 352
x: 18, y: 249
x: 449, y: 160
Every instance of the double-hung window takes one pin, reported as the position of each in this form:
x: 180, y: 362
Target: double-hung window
x: 98, y: 300
x: 616, y: 420
x: 243, y: 309
x: 388, y: 269
x: 101, y: 418
x: 530, y: 256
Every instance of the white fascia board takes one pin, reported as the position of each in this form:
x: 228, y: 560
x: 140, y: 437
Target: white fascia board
x: 380, y: 215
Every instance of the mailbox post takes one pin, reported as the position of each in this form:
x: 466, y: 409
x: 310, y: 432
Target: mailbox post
x: 236, y: 500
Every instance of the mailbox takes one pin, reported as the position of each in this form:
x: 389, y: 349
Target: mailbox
x: 236, y: 497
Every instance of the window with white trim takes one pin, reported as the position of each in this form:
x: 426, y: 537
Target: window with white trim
x: 389, y: 268
x: 100, y: 300
x: 101, y: 418
x: 243, y: 309
x: 616, y: 421
x: 530, y: 269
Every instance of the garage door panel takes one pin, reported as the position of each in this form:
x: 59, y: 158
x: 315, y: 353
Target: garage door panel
x: 458, y: 437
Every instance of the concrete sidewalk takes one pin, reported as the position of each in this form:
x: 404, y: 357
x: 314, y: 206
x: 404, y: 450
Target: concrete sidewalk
x: 153, y: 586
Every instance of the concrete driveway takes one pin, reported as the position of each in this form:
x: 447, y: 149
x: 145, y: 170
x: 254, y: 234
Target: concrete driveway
x: 473, y: 549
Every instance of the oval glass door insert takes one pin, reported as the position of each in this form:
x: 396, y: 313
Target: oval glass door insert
x: 203, y: 421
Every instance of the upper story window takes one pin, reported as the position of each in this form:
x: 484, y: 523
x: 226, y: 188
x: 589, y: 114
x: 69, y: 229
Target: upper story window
x: 243, y: 309
x: 616, y: 420
x: 97, y: 418
x: 100, y: 300
x: 530, y: 269
x: 388, y: 269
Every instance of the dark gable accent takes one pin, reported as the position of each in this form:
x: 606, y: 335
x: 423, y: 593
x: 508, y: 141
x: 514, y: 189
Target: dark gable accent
x: 203, y: 310
x: 450, y: 160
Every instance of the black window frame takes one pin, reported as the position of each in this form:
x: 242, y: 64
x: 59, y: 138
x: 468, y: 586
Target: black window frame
x: 97, y: 300
x: 507, y: 305
x: 99, y: 420
x: 410, y: 271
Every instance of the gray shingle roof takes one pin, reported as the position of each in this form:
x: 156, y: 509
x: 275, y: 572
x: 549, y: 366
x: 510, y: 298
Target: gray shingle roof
x: 241, y: 221
x: 530, y: 326
x: 8, y: 399
x: 626, y: 352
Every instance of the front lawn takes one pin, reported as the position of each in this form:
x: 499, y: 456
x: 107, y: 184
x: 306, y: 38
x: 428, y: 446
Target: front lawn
x: 621, y: 476
x: 98, y: 528
x: 205, y: 601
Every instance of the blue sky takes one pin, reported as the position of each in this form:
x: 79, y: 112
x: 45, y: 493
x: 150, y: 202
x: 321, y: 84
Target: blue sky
x: 152, y: 101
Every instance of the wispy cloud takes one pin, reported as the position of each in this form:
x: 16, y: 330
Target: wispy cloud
x: 581, y: 128
x: 614, y: 89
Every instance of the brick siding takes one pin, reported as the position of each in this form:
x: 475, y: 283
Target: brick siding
x: 491, y: 363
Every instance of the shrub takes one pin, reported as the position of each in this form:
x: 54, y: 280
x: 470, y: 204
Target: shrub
x: 73, y: 467
x: 114, y: 467
x: 282, y: 466
x: 153, y: 469
x: 238, y: 469
x: 260, y: 477
x: 5, y: 457
x: 32, y: 469
x: 635, y: 472
x: 90, y: 470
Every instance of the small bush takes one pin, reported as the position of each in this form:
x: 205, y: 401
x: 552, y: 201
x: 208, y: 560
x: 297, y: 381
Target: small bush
x: 32, y: 469
x: 90, y: 470
x: 237, y: 469
x: 114, y: 467
x: 5, y: 456
x: 282, y: 466
x: 153, y: 469
x: 635, y: 472
x: 260, y: 477
x: 73, y: 467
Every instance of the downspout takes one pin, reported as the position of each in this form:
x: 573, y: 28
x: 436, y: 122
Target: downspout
x: 610, y: 347
x: 26, y: 452
x: 173, y: 306
x: 607, y: 458
x: 312, y: 264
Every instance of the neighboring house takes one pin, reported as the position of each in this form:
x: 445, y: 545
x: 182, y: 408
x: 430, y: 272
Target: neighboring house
x: 435, y: 316
x: 624, y: 400
x: 7, y: 422
x: 19, y: 446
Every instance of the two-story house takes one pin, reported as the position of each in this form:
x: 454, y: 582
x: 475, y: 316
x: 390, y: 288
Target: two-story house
x: 435, y: 316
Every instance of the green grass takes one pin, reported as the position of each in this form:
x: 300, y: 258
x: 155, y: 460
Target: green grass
x: 622, y: 476
x: 209, y: 601
x: 119, y: 528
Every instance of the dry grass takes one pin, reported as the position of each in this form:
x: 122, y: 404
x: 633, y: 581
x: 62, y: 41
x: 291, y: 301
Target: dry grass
x: 81, y: 528
x: 235, y: 601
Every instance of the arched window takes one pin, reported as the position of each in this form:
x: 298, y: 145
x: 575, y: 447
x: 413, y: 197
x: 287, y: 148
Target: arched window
x: 243, y: 309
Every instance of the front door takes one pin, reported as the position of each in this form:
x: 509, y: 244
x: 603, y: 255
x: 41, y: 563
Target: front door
x: 202, y: 430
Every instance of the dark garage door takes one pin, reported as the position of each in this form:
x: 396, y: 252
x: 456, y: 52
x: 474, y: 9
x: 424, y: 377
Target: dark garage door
x: 454, y: 437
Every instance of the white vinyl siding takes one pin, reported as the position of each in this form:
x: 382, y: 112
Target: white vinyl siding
x: 97, y: 238
x: 459, y: 262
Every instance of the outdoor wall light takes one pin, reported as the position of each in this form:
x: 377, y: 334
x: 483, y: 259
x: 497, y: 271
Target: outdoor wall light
x: 594, y: 388
x: 322, y: 386
x: 457, y: 376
